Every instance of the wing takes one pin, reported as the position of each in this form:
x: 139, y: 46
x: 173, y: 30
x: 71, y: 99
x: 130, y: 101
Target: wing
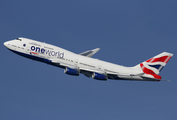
x: 119, y: 76
x: 107, y: 75
x: 110, y: 75
x: 90, y: 53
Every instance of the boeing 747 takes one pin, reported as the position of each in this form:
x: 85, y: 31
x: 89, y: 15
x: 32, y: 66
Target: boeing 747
x: 74, y: 64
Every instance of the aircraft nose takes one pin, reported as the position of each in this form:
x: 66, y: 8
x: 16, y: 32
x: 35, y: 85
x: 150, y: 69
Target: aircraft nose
x: 6, y: 44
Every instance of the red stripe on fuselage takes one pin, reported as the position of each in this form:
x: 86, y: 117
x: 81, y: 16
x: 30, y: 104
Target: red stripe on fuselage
x: 34, y: 53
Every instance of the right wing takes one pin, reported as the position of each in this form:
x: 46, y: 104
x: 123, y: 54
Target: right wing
x: 90, y: 53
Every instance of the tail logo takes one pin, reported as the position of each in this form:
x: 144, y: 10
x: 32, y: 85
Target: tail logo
x: 154, y: 65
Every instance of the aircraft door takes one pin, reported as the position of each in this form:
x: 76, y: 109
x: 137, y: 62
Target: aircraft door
x: 99, y: 67
x: 76, y: 62
x: 28, y: 51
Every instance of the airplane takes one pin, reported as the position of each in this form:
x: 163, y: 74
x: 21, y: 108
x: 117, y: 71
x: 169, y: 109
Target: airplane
x: 74, y: 64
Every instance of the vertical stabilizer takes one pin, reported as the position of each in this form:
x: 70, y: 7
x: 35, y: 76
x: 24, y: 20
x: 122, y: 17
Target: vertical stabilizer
x: 153, y: 66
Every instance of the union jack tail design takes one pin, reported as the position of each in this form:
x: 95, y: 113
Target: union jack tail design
x: 153, y: 66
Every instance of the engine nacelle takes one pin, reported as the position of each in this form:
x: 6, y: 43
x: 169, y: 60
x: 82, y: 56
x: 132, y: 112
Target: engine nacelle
x: 71, y: 71
x: 99, y: 76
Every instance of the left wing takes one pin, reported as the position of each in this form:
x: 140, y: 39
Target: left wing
x: 110, y: 75
x: 118, y: 76
x: 102, y: 75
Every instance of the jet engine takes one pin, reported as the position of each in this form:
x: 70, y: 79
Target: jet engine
x: 71, y: 71
x: 99, y: 76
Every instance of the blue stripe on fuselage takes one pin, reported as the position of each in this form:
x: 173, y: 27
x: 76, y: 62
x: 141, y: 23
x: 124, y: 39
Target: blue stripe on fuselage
x: 35, y: 58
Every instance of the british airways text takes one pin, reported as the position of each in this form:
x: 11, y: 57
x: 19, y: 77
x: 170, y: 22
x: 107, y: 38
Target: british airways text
x: 49, y: 52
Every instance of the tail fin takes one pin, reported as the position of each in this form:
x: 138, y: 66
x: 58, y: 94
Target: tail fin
x: 153, y: 66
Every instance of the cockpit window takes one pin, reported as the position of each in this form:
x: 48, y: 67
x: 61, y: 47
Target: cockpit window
x: 18, y: 39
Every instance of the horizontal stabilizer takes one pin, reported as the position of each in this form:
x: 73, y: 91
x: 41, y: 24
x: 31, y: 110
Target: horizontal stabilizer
x: 153, y: 79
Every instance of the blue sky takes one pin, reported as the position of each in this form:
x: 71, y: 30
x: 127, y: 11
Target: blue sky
x: 128, y: 32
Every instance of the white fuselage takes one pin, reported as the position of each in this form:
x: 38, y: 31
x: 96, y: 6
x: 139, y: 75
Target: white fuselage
x: 63, y: 58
